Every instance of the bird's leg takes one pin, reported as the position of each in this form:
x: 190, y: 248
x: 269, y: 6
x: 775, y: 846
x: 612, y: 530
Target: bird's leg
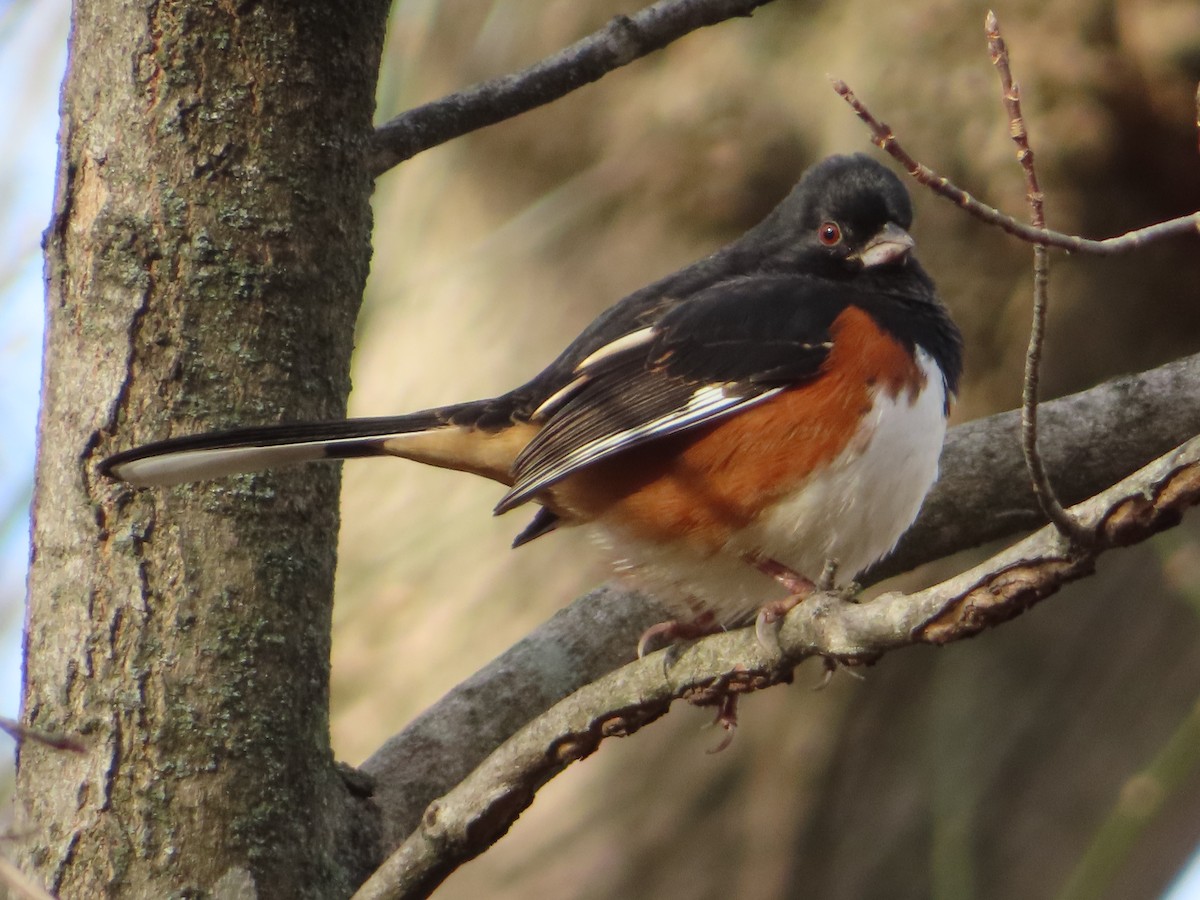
x: 796, y: 584
x: 674, y: 630
x: 772, y: 612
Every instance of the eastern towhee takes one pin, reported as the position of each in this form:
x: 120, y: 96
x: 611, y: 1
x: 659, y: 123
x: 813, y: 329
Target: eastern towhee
x: 724, y: 431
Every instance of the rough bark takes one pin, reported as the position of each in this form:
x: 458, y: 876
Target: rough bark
x: 195, y: 278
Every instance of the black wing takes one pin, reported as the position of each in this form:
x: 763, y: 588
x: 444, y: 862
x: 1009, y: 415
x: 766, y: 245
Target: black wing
x: 728, y: 347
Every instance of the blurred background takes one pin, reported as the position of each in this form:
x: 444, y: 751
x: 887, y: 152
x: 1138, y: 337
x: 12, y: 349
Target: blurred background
x: 1057, y: 756
x: 33, y: 51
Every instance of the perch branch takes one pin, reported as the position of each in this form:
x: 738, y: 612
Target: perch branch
x: 479, y: 811
x: 620, y: 42
x: 1089, y: 441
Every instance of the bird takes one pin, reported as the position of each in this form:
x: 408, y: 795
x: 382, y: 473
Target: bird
x: 727, y: 433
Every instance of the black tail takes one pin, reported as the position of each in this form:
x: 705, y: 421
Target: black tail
x: 444, y: 437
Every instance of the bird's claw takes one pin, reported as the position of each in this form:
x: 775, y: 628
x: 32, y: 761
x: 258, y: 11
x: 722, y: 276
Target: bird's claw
x: 675, y: 630
x: 727, y: 718
x: 766, y: 623
x: 832, y: 665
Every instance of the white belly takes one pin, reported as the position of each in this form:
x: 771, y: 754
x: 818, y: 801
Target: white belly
x: 853, y: 511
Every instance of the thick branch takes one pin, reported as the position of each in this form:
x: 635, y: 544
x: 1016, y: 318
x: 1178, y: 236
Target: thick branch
x: 1089, y: 441
x: 619, y: 43
x: 480, y: 810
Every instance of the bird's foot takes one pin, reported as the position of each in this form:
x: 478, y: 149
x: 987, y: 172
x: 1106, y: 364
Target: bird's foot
x: 800, y: 588
x: 770, y: 614
x: 832, y: 665
x: 766, y: 623
x: 677, y: 630
x: 848, y: 592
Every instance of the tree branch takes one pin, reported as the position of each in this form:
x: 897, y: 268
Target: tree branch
x: 19, y: 884
x: 618, y: 43
x: 1011, y: 94
x: 480, y: 810
x: 1089, y: 440
x: 55, y: 741
x: 885, y: 139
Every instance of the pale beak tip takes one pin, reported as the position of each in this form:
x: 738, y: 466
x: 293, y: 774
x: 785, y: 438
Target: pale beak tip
x: 891, y: 245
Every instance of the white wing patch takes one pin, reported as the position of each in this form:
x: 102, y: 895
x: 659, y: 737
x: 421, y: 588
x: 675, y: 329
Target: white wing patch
x: 705, y: 404
x: 558, y: 398
x: 622, y: 344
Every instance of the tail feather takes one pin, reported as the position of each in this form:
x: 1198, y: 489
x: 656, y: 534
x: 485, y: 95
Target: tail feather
x: 444, y: 437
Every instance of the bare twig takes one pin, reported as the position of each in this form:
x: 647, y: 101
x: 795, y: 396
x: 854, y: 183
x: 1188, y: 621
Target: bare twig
x: 19, y: 733
x: 19, y: 884
x: 885, y: 139
x: 619, y: 43
x: 1011, y: 92
x: 483, y: 806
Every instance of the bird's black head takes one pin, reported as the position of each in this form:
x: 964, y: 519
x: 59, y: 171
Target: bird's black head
x: 847, y: 214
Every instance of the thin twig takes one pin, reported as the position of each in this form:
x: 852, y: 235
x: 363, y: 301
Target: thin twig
x: 884, y: 138
x: 19, y: 733
x: 620, y: 42
x: 1011, y: 93
x: 19, y: 884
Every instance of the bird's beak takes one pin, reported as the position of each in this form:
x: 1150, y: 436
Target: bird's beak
x: 892, y: 244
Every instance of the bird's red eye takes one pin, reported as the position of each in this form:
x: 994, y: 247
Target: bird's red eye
x: 829, y: 234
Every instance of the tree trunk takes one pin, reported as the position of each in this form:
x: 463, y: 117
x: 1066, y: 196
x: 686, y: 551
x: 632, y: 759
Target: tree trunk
x: 205, y: 261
